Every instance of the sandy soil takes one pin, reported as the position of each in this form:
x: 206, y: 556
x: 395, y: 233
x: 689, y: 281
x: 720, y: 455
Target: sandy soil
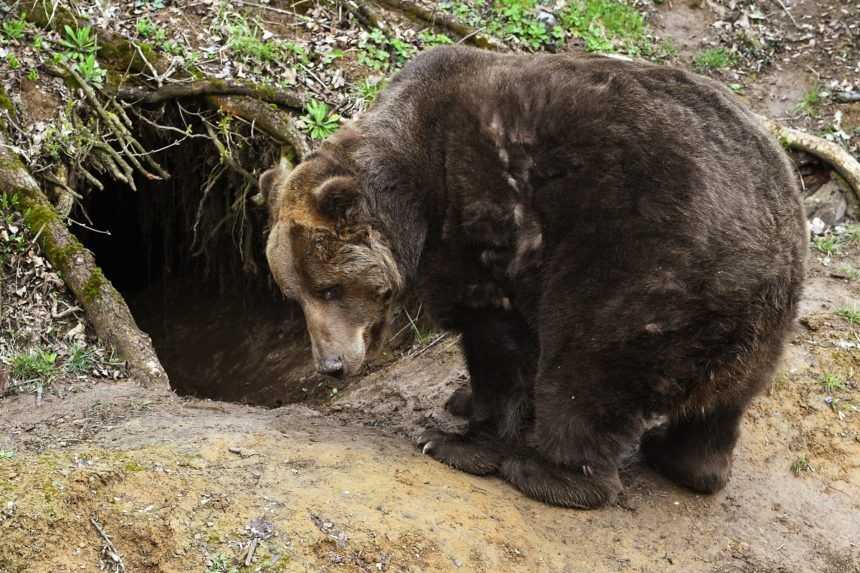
x: 176, y: 483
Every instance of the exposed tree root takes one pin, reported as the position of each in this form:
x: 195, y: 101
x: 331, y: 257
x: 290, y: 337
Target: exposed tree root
x: 445, y: 21
x: 275, y: 122
x: 831, y: 153
x: 104, y: 306
x: 199, y: 88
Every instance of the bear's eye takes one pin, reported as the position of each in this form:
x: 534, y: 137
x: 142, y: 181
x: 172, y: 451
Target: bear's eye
x: 331, y: 293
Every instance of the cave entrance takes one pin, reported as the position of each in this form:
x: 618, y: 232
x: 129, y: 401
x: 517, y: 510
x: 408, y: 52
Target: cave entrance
x: 187, y: 255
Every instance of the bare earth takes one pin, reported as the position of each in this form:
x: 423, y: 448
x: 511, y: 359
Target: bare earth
x: 189, y: 485
x: 176, y: 482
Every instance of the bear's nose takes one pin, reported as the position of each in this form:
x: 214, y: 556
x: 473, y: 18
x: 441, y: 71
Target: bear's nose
x: 331, y: 366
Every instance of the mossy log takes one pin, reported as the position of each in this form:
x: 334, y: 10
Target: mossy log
x: 104, y: 306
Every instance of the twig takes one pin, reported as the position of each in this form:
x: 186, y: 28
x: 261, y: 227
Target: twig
x: 109, y: 549
x: 785, y: 9
x: 435, y: 341
x: 158, y: 79
x: 199, y: 88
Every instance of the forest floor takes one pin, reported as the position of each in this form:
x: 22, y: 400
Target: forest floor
x: 95, y: 470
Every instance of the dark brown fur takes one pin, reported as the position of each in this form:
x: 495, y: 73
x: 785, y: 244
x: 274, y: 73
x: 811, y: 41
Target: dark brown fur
x: 615, y: 241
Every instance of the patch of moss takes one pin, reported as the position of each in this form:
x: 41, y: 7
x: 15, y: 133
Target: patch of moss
x: 39, y: 216
x: 93, y: 287
x: 132, y: 466
x: 120, y: 54
x: 55, y: 17
x: 6, y: 101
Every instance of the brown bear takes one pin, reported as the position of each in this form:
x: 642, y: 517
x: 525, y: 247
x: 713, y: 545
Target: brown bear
x: 617, y: 242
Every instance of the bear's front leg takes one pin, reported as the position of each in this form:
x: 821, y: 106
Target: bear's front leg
x: 501, y: 355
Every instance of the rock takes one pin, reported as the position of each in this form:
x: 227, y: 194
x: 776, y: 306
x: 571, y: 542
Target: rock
x: 828, y: 204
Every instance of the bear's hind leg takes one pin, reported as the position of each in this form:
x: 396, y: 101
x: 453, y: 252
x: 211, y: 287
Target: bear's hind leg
x: 695, y: 451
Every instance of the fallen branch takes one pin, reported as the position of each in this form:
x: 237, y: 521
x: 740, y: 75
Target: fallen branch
x: 199, y: 88
x: 829, y: 152
x: 846, y: 96
x: 445, y: 21
x: 105, y: 307
x: 109, y: 551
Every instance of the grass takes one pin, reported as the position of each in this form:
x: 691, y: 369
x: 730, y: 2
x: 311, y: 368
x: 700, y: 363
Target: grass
x: 832, y: 382
x: 606, y: 26
x: 7, y: 455
x: 811, y: 101
x: 220, y: 563
x: 852, y: 315
x: 801, y: 465
x: 369, y: 89
x: 713, y: 60
x: 36, y: 364
x: 603, y: 25
x: 80, y: 361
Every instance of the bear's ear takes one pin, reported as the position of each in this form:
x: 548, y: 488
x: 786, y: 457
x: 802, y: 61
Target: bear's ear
x: 337, y: 198
x: 271, y: 182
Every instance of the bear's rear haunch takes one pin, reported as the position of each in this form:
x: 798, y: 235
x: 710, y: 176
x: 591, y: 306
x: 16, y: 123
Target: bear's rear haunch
x: 617, y: 243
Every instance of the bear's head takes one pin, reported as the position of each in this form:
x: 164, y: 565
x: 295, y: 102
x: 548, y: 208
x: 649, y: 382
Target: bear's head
x: 338, y: 268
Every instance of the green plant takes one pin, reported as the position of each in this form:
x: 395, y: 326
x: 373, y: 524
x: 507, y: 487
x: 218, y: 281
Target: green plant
x: 319, y: 121
x: 7, y: 454
x: 14, y: 29
x: 145, y: 28
x: 374, y: 52
x: 80, y: 41
x: 428, y: 39
x: 801, y: 465
x: 80, y: 361
x: 33, y: 75
x: 13, y: 61
x: 852, y: 315
x: 247, y: 43
x: 90, y: 70
x: 369, y: 89
x: 811, y: 101
x: 37, y: 364
x: 220, y: 564
x: 827, y: 244
x: 714, y: 59
x: 606, y: 26
x: 831, y: 382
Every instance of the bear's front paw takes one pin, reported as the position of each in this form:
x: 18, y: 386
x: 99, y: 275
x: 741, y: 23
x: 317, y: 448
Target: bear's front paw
x: 463, y: 452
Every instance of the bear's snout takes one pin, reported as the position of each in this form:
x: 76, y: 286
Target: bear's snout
x: 331, y: 367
